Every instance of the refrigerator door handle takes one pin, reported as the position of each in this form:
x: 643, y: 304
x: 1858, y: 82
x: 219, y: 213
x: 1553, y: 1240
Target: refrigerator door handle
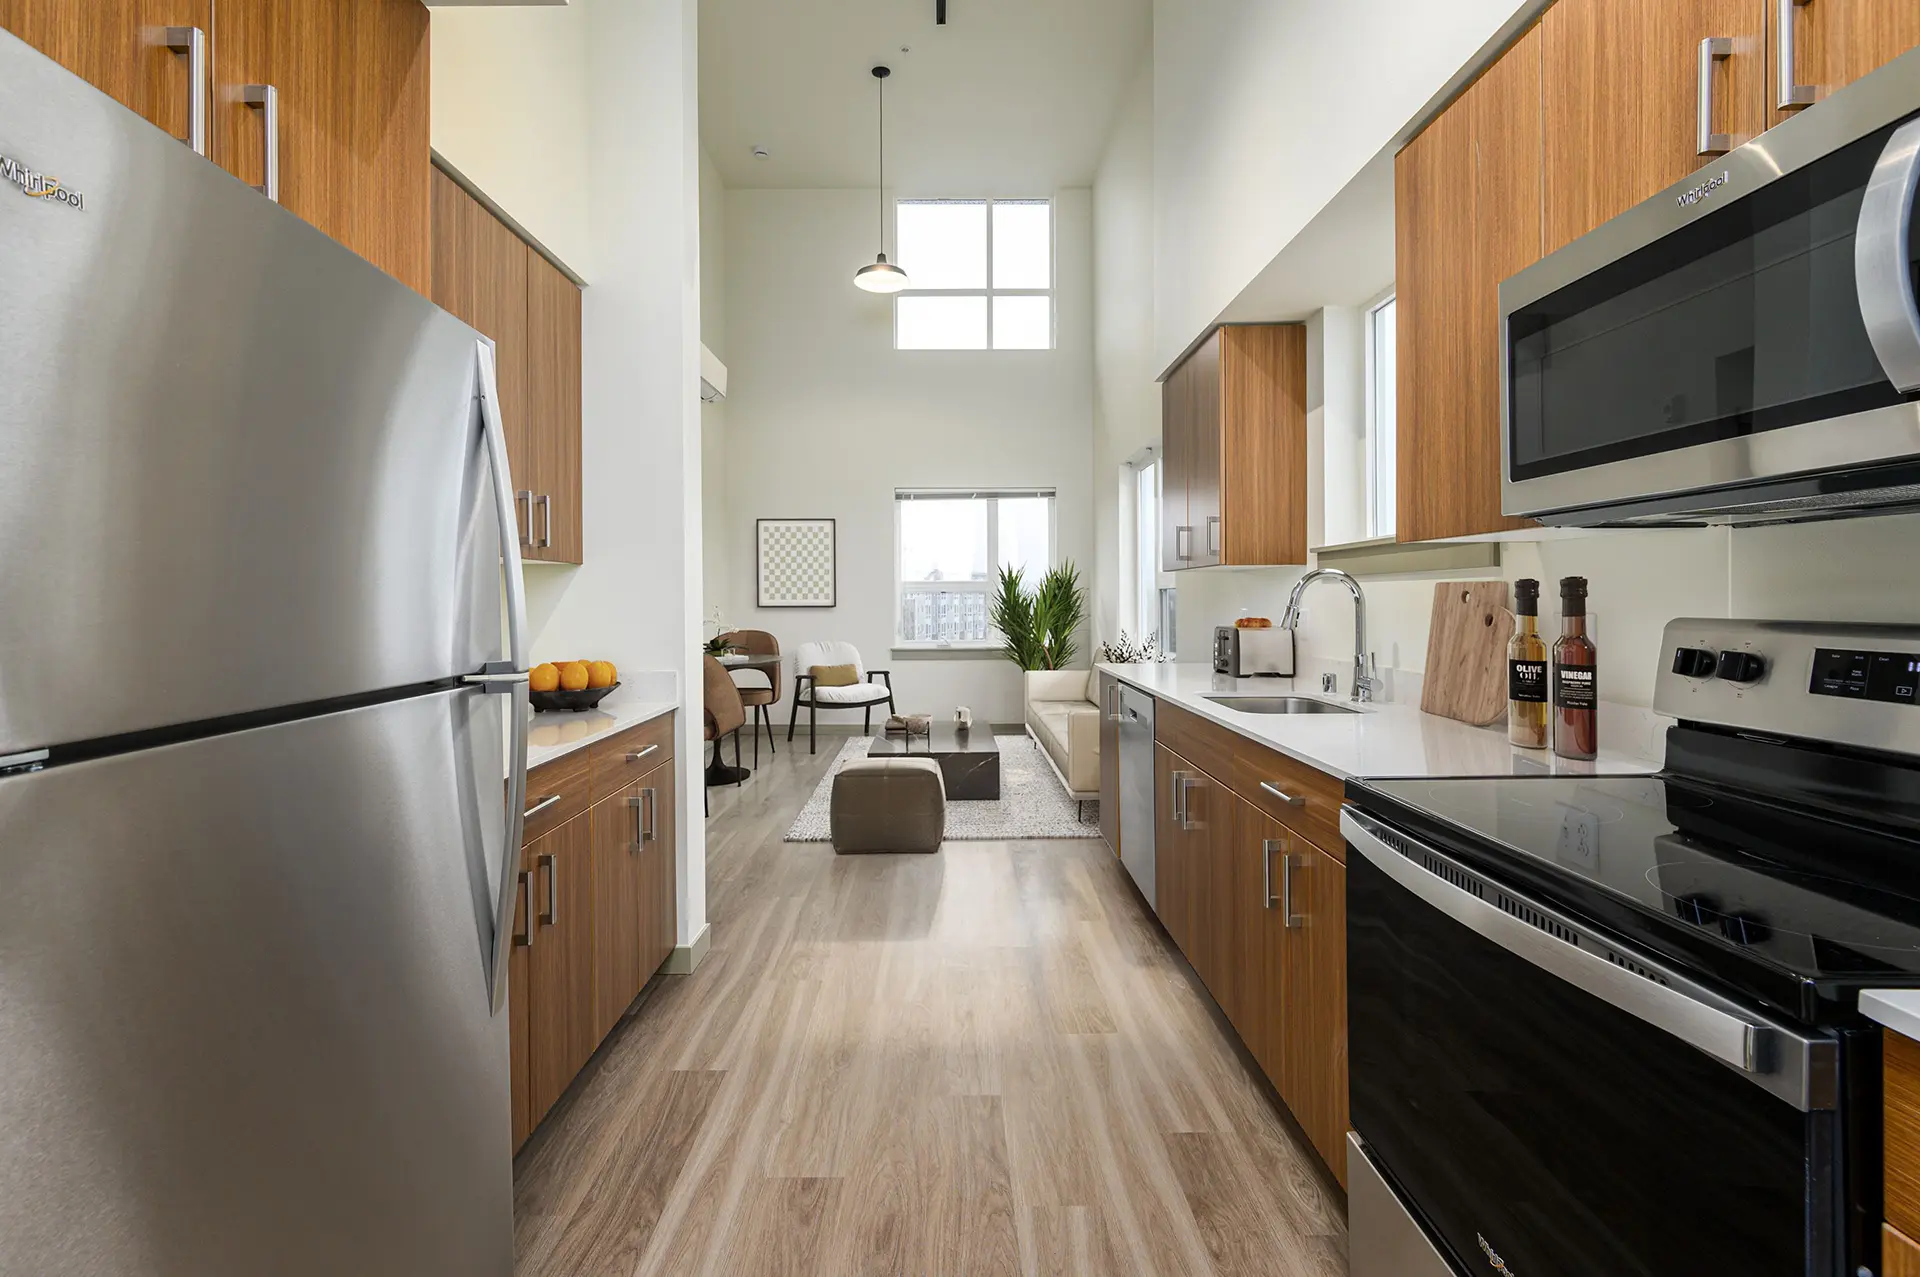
x: 512, y: 680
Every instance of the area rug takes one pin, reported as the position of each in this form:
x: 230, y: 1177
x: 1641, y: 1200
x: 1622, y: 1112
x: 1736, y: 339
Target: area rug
x: 1032, y: 803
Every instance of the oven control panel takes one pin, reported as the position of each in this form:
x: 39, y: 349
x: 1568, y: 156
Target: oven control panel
x: 1848, y: 684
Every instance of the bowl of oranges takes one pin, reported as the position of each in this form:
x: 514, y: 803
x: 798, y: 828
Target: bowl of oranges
x: 571, y: 685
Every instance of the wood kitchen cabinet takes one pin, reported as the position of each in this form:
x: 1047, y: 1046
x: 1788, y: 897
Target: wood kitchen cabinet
x: 119, y: 47
x: 489, y: 277
x: 1623, y: 87
x: 1467, y: 215
x: 561, y: 1031
x: 350, y: 88
x: 596, y: 914
x: 1234, y: 444
x: 1899, y: 1253
x: 1833, y: 43
x: 1171, y: 890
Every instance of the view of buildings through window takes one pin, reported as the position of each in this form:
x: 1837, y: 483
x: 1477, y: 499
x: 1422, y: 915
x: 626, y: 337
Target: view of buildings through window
x: 949, y: 549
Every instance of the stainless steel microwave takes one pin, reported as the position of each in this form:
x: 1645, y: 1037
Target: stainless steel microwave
x: 1742, y: 348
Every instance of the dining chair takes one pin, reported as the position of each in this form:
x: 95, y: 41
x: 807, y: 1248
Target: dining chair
x: 759, y: 684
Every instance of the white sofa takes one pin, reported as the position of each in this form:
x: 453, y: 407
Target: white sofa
x: 1063, y: 718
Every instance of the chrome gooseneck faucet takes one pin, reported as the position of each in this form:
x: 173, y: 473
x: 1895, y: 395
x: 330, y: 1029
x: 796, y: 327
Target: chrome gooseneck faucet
x: 1365, y: 675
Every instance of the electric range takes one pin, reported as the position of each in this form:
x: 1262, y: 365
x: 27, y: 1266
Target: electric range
x: 1609, y: 1025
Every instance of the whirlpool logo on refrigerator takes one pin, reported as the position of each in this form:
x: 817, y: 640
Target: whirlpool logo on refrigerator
x: 1493, y: 1256
x: 37, y: 185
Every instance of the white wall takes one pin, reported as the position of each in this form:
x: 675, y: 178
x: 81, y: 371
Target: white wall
x: 715, y: 520
x: 1126, y: 398
x: 509, y: 102
x: 826, y: 419
x: 633, y: 210
x: 1263, y: 109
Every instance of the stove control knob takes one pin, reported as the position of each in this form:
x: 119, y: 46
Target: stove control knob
x: 1742, y: 667
x: 1695, y: 662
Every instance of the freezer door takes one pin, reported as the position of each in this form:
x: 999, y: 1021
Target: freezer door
x: 240, y: 467
x: 244, y: 1024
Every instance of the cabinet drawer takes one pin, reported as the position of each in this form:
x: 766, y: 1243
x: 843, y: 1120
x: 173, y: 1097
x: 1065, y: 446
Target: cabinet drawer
x: 1902, y: 1087
x: 1206, y: 745
x: 1316, y: 797
x: 565, y: 779
x: 620, y: 760
x: 1899, y: 1255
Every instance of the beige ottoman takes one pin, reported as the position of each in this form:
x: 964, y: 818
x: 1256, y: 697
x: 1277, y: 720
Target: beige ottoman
x: 889, y: 804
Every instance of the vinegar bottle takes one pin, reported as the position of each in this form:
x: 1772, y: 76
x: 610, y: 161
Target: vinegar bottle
x: 1576, y: 707
x: 1527, y: 671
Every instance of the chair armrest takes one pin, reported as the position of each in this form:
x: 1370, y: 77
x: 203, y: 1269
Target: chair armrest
x: 800, y: 693
x: 886, y: 674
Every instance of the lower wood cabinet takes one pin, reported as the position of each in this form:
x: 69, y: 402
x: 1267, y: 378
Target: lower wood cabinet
x: 1899, y: 1253
x: 595, y: 914
x: 1260, y: 910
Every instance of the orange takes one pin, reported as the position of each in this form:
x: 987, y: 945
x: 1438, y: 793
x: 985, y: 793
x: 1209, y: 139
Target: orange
x: 573, y: 676
x: 545, y: 677
x: 602, y: 674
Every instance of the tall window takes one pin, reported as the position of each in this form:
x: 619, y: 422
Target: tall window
x: 981, y: 274
x: 1146, y: 506
x: 949, y: 547
x: 1382, y: 463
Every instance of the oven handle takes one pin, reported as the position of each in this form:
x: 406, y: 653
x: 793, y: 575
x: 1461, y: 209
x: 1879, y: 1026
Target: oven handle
x: 1882, y: 257
x: 1797, y: 1069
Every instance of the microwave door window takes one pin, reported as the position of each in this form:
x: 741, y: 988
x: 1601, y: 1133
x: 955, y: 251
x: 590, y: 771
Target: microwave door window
x: 1745, y: 321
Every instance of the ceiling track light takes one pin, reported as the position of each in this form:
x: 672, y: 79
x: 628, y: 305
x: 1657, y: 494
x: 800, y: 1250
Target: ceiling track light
x: 882, y: 276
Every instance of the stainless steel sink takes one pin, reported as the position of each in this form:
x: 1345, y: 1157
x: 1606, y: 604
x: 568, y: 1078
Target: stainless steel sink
x: 1280, y: 705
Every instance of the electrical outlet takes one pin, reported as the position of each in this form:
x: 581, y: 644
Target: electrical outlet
x: 1579, y: 842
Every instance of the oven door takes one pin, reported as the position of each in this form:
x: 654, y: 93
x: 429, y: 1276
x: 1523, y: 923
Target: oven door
x: 1546, y: 1103
x: 1747, y: 342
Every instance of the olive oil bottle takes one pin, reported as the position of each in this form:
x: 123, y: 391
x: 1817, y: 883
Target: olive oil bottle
x: 1527, y: 671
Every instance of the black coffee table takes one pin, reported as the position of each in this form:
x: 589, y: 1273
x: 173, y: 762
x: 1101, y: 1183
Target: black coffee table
x: 969, y: 761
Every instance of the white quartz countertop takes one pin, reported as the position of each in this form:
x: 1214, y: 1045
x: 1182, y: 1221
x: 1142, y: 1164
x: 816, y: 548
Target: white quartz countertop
x: 1381, y: 741
x: 555, y: 735
x: 1898, y: 1009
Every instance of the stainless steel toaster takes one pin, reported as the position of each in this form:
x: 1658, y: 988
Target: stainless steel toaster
x: 1240, y: 653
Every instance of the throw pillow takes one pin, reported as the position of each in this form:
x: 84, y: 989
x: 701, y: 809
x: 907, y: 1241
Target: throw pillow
x: 835, y: 675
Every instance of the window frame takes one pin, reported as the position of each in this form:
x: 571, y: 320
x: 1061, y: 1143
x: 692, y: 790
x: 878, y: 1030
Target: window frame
x: 989, y: 292
x: 1382, y: 442
x: 992, y: 496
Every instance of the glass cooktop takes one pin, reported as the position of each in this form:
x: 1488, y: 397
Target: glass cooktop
x: 1815, y: 900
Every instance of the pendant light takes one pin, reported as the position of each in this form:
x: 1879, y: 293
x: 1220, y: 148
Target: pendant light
x: 883, y: 276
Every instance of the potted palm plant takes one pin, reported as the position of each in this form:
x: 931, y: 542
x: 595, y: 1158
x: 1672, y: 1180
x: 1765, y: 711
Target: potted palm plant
x: 1037, y: 627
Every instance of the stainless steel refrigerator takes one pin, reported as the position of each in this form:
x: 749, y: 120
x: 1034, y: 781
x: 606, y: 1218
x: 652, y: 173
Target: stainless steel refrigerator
x: 262, y: 729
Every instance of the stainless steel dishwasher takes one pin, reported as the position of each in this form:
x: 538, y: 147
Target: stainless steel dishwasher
x: 1137, y: 788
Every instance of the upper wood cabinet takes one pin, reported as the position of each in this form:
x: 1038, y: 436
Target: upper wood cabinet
x: 119, y: 47
x: 1623, y: 88
x: 1234, y: 444
x: 488, y: 276
x: 349, y: 83
x: 1467, y: 215
x: 349, y: 89
x: 1832, y: 43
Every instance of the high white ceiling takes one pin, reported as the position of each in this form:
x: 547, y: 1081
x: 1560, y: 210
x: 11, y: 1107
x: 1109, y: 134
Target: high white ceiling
x: 1011, y: 97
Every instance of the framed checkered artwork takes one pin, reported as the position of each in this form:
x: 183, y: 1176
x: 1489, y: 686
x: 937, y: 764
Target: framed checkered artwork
x: 796, y: 562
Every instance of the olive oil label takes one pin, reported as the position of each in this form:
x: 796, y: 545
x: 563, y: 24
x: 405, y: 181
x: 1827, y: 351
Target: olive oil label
x: 1527, y: 682
x: 1573, y: 687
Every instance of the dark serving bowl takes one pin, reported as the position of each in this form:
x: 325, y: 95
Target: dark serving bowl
x: 586, y: 698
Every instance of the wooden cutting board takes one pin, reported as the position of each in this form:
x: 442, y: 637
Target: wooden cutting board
x: 1467, y: 651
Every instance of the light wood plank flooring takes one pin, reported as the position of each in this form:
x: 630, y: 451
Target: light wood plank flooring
x: 986, y: 1061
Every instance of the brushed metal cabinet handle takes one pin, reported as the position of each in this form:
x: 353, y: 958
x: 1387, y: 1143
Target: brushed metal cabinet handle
x: 526, y: 528
x: 551, y: 918
x: 1179, y: 792
x: 1183, y: 543
x: 546, y: 521
x: 1267, y: 847
x: 524, y: 940
x: 1792, y: 93
x: 652, y: 833
x: 1882, y: 249
x: 1188, y: 783
x: 541, y: 805
x: 1213, y: 534
x: 651, y: 749
x: 1714, y: 49
x: 191, y: 42
x: 1291, y: 919
x: 265, y: 99
x: 1291, y: 800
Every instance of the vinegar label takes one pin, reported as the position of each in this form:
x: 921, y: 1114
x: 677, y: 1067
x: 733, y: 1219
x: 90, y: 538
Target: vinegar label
x: 1573, y: 687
